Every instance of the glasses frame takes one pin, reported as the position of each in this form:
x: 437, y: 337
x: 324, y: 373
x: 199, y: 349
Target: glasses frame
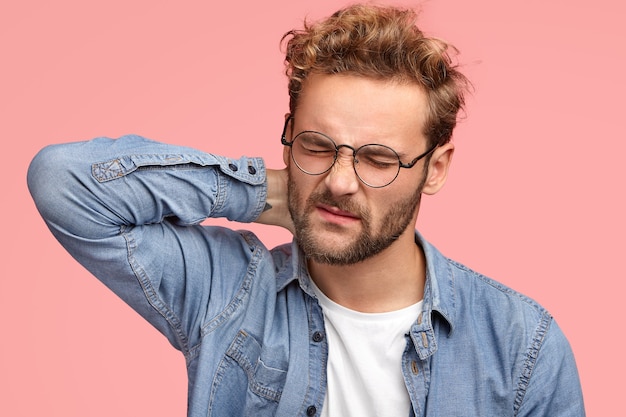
x: 401, y: 164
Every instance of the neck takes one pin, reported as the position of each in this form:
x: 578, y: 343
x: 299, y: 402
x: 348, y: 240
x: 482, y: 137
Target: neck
x: 391, y: 280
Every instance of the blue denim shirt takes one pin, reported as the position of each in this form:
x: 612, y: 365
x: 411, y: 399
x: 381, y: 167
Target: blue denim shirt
x: 245, y: 317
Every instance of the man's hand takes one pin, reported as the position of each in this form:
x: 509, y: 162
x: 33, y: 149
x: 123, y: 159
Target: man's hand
x: 276, y: 207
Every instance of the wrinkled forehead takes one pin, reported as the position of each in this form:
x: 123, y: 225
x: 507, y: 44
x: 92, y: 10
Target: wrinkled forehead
x: 356, y: 110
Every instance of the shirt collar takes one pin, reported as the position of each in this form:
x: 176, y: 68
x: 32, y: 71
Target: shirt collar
x: 439, y: 291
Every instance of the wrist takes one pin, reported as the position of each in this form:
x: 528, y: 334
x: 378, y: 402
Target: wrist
x: 276, y: 211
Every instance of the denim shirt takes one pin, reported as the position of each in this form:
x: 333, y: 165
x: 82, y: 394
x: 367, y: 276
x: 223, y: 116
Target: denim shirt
x: 246, y: 318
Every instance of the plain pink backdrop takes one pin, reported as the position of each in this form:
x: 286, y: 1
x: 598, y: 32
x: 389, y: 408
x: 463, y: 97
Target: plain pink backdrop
x: 535, y: 197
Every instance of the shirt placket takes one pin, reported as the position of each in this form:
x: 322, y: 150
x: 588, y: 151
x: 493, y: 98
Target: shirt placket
x: 420, y: 346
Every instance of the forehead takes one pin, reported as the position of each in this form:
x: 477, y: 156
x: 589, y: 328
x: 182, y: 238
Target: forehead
x: 357, y: 110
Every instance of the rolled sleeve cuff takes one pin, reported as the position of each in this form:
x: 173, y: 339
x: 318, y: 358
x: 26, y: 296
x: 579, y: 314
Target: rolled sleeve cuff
x: 242, y: 200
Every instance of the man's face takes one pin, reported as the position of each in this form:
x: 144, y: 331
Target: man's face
x: 338, y: 219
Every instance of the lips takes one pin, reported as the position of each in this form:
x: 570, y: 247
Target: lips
x: 335, y: 215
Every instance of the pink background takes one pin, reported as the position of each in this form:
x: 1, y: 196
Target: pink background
x: 535, y: 198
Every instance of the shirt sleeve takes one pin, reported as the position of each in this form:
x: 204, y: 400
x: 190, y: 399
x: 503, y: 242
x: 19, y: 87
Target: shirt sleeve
x: 129, y: 210
x: 553, y: 388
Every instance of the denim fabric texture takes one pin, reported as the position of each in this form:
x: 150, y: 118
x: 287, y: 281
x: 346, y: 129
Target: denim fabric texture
x: 246, y: 318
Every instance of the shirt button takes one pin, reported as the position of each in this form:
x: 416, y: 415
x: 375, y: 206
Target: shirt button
x: 318, y: 337
x: 251, y: 170
x: 233, y: 167
x: 311, y: 410
x: 414, y: 368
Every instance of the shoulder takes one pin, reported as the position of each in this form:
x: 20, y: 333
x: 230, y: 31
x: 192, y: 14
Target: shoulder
x: 486, y: 291
x: 460, y: 293
x: 456, y: 290
x: 477, y: 307
x: 483, y: 305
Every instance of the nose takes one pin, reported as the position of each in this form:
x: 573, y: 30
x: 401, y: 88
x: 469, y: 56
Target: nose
x: 342, y: 179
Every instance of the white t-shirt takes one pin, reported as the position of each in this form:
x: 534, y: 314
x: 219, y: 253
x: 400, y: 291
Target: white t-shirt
x: 365, y: 360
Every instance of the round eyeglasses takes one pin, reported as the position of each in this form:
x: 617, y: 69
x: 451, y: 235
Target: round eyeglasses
x: 315, y: 153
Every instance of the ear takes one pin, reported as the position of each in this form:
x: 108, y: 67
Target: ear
x: 438, y: 168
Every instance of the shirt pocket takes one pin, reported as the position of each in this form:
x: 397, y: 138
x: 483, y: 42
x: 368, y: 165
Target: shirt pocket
x: 254, y: 368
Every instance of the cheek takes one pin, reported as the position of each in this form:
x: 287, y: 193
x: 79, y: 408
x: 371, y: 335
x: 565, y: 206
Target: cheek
x: 305, y: 184
x: 391, y: 200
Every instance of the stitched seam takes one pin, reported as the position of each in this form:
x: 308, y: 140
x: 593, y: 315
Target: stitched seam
x: 152, y: 295
x: 531, y: 359
x: 239, y: 297
x: 248, y: 367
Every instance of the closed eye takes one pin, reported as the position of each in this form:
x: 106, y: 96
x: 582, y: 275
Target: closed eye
x: 315, y: 144
x: 377, y: 157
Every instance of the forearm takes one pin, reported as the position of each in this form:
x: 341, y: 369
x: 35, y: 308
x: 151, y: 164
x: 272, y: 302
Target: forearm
x: 133, y: 181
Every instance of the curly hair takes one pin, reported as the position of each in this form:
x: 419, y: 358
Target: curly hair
x: 381, y: 43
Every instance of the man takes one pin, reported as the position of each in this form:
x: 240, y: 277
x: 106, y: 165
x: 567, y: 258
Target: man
x: 360, y: 316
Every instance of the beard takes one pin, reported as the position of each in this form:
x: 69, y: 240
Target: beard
x: 368, y: 243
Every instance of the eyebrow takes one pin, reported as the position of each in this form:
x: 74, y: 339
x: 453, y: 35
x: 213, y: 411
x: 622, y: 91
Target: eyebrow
x: 309, y: 134
x: 403, y: 156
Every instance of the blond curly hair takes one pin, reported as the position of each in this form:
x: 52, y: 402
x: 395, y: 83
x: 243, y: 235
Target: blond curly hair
x: 381, y: 43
